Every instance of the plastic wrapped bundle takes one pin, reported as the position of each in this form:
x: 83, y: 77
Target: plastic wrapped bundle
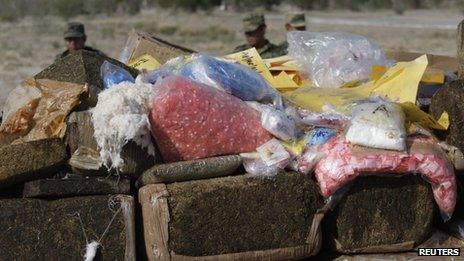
x: 235, y: 79
x: 274, y: 153
x: 308, y: 160
x: 254, y: 165
x: 191, y: 120
x: 154, y: 75
x: 343, y: 162
x: 320, y: 136
x: 113, y: 74
x: 278, y: 123
x: 378, y: 125
x: 333, y: 59
x: 311, y: 156
x: 327, y: 118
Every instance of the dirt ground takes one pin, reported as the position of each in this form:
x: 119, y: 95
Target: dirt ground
x: 29, y: 45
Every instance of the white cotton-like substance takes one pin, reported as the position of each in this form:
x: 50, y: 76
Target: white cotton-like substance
x: 121, y: 115
x: 91, y: 250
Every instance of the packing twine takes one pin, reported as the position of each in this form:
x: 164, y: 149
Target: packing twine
x: 92, y: 247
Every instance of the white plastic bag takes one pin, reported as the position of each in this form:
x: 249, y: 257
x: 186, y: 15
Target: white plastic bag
x: 332, y: 59
x: 378, y: 125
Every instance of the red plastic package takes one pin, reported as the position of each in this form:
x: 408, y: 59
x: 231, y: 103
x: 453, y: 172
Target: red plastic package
x: 190, y: 120
x: 343, y: 162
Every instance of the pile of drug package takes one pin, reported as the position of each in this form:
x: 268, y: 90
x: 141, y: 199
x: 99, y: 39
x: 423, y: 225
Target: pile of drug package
x: 183, y: 155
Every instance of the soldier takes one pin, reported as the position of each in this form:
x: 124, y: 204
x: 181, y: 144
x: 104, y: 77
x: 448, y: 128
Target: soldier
x: 75, y: 38
x: 294, y: 22
x: 255, y: 30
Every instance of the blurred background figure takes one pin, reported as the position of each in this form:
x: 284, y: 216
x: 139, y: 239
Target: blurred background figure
x: 254, y: 27
x: 293, y: 22
x: 75, y: 39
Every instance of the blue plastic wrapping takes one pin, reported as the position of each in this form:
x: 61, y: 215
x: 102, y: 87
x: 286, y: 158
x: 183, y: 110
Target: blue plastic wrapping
x: 112, y: 74
x: 312, y: 154
x: 320, y: 136
x: 233, y: 78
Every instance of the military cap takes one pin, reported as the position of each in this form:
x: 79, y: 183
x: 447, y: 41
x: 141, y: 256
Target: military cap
x: 251, y: 22
x: 296, y: 19
x: 74, y: 30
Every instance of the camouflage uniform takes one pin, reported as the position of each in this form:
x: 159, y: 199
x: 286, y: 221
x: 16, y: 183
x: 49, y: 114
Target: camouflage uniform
x: 296, y: 20
x: 87, y: 48
x: 76, y: 30
x: 269, y: 50
x: 252, y: 22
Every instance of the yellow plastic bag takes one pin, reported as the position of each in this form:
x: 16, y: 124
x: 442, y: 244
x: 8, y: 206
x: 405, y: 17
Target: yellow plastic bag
x: 296, y: 147
x: 18, y: 111
x: 444, y: 120
x: 252, y: 59
x: 415, y: 115
x: 431, y: 75
x: 42, y: 115
x: 399, y: 84
x: 281, y: 81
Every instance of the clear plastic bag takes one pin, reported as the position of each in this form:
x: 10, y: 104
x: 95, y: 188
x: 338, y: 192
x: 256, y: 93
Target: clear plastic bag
x: 293, y: 114
x: 454, y: 154
x: 378, y: 125
x: 112, y: 74
x: 324, y: 119
x: 308, y: 160
x: 191, y: 120
x: 233, y: 78
x: 278, y: 123
x: 333, y: 59
x: 311, y: 156
x: 153, y: 76
x: 274, y: 153
x: 254, y: 165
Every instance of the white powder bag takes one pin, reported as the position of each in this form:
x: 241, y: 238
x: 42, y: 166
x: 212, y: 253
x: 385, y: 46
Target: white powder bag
x: 378, y: 125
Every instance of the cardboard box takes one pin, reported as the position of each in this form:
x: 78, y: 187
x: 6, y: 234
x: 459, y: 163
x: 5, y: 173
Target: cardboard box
x: 445, y: 63
x: 141, y: 43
